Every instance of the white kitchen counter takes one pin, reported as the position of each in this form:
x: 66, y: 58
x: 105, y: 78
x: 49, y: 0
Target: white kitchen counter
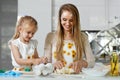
x: 60, y: 77
x: 81, y: 76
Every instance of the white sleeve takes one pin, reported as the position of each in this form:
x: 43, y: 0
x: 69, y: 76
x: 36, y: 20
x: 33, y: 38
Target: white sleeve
x: 14, y: 42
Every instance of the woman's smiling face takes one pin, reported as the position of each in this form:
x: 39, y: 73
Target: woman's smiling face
x: 67, y: 20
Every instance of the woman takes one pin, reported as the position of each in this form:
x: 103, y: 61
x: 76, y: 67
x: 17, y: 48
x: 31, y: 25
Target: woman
x: 68, y: 46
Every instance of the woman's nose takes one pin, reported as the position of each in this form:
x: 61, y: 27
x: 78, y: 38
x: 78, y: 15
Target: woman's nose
x: 67, y: 23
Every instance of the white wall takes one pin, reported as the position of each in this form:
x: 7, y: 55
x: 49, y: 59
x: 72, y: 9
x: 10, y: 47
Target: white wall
x: 92, y: 13
x: 114, y: 12
x: 41, y: 11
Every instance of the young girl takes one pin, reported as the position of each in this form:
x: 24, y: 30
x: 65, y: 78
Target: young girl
x: 23, y: 47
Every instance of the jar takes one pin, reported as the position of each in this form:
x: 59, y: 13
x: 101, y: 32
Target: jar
x: 114, y: 62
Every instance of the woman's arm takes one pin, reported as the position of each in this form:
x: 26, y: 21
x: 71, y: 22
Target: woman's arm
x: 48, y: 46
x: 78, y: 65
x: 88, y: 53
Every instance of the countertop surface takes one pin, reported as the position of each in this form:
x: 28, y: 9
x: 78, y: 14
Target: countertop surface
x: 61, y: 77
x: 90, y: 74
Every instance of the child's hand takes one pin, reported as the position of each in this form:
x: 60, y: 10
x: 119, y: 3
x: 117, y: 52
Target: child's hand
x: 36, y: 61
x: 44, y: 60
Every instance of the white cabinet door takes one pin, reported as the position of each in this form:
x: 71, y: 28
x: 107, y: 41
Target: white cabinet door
x: 92, y: 13
x: 114, y: 12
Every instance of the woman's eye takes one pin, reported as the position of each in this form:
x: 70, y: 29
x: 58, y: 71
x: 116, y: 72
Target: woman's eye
x: 71, y: 20
x: 64, y: 19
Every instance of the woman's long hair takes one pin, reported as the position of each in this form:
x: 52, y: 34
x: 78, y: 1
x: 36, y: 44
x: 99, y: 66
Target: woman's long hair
x: 78, y: 38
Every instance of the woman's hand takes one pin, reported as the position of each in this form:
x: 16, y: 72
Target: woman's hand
x: 58, y: 65
x: 78, y: 65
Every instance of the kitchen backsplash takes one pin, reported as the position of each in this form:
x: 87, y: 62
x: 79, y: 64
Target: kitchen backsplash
x: 102, y: 41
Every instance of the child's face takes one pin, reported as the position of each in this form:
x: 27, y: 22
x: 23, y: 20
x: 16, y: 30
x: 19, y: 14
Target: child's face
x: 27, y: 32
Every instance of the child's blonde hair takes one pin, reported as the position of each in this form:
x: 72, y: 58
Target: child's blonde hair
x: 24, y: 20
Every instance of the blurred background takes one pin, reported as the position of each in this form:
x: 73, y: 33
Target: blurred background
x: 99, y: 20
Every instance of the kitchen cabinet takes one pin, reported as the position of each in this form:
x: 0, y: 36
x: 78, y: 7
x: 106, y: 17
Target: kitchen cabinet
x: 94, y: 14
x: 113, y: 12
